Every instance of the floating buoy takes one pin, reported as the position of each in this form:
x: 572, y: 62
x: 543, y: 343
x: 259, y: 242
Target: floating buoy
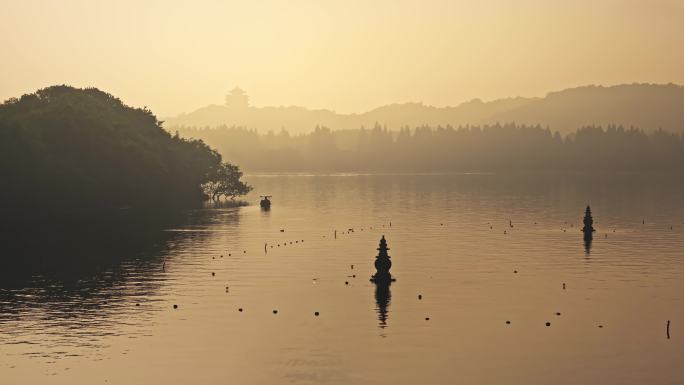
x: 346, y: 282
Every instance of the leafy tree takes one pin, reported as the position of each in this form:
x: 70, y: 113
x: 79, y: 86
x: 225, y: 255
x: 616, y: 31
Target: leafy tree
x: 225, y: 181
x: 84, y: 151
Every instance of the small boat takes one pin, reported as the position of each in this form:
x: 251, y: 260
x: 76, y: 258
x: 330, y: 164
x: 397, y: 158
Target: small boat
x: 265, y: 202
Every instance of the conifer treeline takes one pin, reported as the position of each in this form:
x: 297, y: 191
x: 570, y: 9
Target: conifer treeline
x: 491, y: 148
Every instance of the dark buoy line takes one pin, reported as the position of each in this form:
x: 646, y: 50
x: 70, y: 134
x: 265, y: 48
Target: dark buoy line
x: 383, y: 265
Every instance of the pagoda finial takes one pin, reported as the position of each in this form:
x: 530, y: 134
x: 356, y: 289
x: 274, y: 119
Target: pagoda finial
x: 383, y: 264
x: 588, y: 221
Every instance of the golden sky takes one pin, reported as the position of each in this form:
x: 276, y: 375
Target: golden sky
x: 346, y: 55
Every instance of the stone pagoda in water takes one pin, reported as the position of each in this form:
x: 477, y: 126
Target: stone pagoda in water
x: 588, y: 222
x: 383, y: 264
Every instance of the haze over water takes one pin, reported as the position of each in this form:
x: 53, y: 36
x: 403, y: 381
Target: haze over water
x: 85, y: 328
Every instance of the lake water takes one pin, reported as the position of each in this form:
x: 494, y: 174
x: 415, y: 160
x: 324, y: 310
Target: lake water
x: 455, y: 240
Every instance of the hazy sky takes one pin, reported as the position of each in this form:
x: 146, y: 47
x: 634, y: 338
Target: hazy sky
x: 350, y: 56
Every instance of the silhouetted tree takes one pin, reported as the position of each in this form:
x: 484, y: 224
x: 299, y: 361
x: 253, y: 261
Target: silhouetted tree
x: 83, y: 150
x: 225, y: 181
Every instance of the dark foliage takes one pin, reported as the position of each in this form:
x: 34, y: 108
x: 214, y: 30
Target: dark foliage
x: 68, y: 150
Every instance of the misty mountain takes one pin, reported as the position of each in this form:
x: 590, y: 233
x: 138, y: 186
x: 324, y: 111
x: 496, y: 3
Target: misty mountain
x: 647, y: 106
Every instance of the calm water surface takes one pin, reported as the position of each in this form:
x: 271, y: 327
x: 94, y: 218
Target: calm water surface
x: 451, y: 242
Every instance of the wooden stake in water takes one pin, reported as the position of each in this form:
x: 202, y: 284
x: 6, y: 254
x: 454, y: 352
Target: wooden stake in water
x: 668, y: 329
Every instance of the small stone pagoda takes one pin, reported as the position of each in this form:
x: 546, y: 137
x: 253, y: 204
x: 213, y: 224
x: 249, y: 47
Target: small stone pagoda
x: 383, y: 264
x: 588, y: 222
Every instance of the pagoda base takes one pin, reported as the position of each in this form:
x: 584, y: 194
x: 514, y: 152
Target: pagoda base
x: 377, y: 278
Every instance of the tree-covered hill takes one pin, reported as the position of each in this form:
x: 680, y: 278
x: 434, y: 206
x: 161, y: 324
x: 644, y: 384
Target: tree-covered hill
x: 64, y: 149
x: 648, y: 106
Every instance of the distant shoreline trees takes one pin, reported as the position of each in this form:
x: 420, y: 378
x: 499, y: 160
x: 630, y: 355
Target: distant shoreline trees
x: 489, y: 148
x: 70, y: 150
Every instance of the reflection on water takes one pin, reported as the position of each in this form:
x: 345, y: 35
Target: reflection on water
x: 82, y: 306
x: 383, y: 295
x: 588, y: 237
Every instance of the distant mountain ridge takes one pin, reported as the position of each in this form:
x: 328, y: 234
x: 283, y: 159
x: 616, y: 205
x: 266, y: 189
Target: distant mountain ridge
x: 647, y: 106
